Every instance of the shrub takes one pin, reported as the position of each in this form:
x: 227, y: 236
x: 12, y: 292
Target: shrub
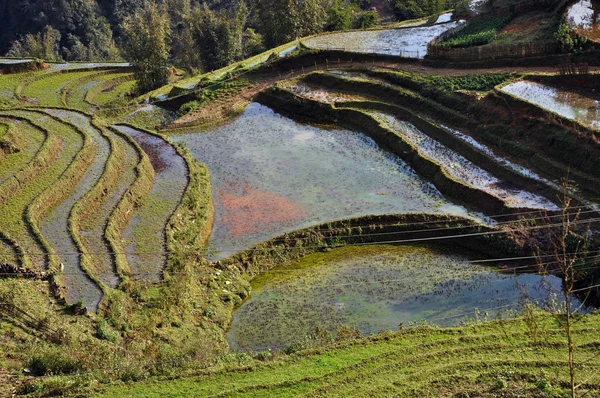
x: 104, y: 332
x: 367, y: 20
x: 52, y: 362
x: 478, y: 32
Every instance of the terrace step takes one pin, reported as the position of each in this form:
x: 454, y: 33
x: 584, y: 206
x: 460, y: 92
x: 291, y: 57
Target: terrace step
x: 145, y: 236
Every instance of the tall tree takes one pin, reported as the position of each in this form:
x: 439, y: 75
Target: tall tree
x: 146, y: 45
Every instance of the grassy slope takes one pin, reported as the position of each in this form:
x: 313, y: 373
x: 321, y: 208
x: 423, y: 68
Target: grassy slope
x: 498, y: 358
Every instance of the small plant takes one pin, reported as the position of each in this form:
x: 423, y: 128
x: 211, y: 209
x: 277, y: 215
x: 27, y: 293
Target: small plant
x: 477, y: 33
x: 52, y: 361
x: 104, y: 332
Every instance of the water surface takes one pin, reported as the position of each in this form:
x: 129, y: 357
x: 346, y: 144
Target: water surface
x: 569, y: 104
x: 375, y: 288
x: 406, y: 42
x: 145, y: 233
x: 271, y: 175
x: 584, y: 16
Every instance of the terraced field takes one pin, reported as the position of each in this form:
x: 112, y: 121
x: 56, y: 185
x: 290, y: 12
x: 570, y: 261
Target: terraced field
x: 161, y: 238
x: 478, y: 360
x: 75, y: 184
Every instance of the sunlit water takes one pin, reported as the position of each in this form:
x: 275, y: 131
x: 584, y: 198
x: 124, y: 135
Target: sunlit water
x: 571, y: 105
x: 585, y: 17
x: 271, y: 175
x: 376, y: 288
x: 463, y: 169
x: 407, y: 42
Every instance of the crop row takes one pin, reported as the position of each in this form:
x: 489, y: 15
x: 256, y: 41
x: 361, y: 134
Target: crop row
x: 109, y: 90
x: 478, y: 32
x: 479, y: 360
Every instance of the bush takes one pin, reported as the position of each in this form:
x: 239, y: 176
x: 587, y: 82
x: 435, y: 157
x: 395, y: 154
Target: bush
x: 367, y: 20
x: 53, y: 362
x: 104, y: 332
x: 478, y: 32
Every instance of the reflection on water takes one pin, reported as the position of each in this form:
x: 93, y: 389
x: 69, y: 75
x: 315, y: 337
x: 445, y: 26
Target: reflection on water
x: 585, y: 17
x: 375, y: 288
x: 463, y: 169
x: 574, y: 106
x: 271, y: 175
x: 407, y: 42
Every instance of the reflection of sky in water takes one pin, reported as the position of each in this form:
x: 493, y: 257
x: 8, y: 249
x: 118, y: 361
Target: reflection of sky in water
x: 375, y: 289
x: 463, y: 169
x: 4, y: 61
x: 408, y: 42
x: 586, y: 15
x: 271, y: 175
x: 571, y: 105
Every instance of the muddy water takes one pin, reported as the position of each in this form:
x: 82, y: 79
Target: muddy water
x: 374, y: 288
x: 462, y: 169
x: 584, y: 16
x: 406, y: 42
x: 271, y: 175
x: 55, y: 226
x: 145, y: 234
x: 93, y: 235
x: 571, y: 105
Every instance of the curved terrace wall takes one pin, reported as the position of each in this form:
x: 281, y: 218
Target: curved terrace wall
x: 286, y: 102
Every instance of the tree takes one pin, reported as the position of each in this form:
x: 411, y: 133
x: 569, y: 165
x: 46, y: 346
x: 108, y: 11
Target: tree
x: 566, y: 250
x: 218, y: 36
x: 339, y: 16
x: 367, y: 20
x: 146, y: 46
x: 43, y: 45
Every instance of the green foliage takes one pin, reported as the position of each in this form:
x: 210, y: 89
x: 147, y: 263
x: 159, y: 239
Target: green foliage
x: 146, y: 47
x: 44, y: 44
x: 478, y: 32
x: 339, y: 16
x: 282, y: 21
x: 412, y: 9
x: 367, y: 20
x: 104, y: 331
x: 253, y: 43
x: 52, y: 361
x: 568, y: 41
x: 217, y: 36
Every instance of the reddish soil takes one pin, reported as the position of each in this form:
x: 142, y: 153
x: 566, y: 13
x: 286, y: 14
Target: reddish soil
x: 523, y: 29
x: 254, y: 210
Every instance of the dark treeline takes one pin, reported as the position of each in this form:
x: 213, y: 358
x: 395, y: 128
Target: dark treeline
x: 219, y: 31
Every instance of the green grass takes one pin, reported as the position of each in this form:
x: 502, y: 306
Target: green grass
x: 61, y: 149
x: 213, y: 93
x: 477, y: 82
x: 499, y: 358
x: 110, y: 90
x: 478, y: 32
x: 75, y: 92
x: 48, y: 91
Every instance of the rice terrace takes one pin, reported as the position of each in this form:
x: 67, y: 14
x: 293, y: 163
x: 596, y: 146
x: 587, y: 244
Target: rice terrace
x: 331, y: 198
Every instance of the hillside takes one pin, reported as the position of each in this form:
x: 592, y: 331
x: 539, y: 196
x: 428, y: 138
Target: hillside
x: 405, y: 209
x: 508, y: 359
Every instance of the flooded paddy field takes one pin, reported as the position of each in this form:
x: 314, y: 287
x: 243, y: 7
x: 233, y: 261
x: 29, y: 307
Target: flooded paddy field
x: 569, y: 104
x: 55, y: 226
x: 92, y: 237
x: 145, y: 233
x: 272, y: 175
x: 372, y: 289
x: 406, y: 42
x: 463, y: 169
x: 584, y: 16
